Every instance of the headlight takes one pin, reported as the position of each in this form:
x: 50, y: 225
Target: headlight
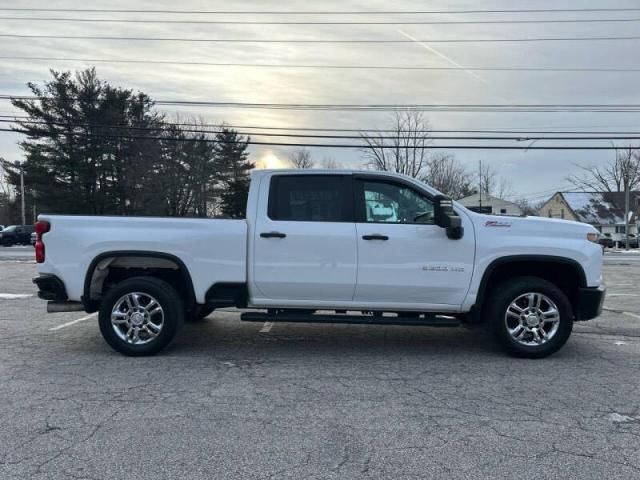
x: 593, y: 237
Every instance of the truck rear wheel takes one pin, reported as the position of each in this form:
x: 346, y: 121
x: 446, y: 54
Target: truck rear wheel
x: 530, y: 317
x: 140, y: 316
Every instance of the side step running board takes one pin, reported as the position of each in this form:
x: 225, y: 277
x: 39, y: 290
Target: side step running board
x: 428, y: 321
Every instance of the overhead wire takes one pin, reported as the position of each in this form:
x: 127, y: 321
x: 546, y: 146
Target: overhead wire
x: 427, y: 133
x: 322, y: 41
x: 333, y: 145
x: 323, y: 12
x: 444, y: 107
x: 323, y: 22
x: 329, y: 67
x: 496, y: 130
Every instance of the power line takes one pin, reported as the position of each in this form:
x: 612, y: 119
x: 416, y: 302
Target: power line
x: 428, y: 133
x: 321, y: 12
x: 520, y: 131
x: 495, y: 108
x: 327, y: 41
x: 340, y: 145
x: 321, y: 22
x: 330, y: 67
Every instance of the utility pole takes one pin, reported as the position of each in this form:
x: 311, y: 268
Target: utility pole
x: 626, y: 212
x: 480, y: 185
x: 24, y: 221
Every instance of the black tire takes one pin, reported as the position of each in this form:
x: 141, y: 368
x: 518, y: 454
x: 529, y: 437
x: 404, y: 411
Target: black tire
x: 506, y: 293
x: 163, y: 293
x: 199, y: 312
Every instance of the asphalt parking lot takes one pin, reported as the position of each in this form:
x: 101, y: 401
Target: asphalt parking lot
x: 232, y: 400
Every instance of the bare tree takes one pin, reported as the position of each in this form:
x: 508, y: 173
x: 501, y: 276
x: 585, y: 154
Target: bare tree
x: 301, y: 158
x: 528, y: 207
x: 4, y: 183
x: 404, y: 149
x: 623, y: 170
x: 486, y: 179
x: 5, y: 193
x: 490, y: 183
x: 330, y: 164
x: 620, y: 175
x: 446, y: 174
x: 503, y: 188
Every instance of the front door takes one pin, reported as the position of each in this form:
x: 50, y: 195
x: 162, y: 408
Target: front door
x: 305, y: 241
x: 404, y: 259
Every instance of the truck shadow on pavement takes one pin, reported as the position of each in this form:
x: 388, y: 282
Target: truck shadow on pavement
x: 215, y: 335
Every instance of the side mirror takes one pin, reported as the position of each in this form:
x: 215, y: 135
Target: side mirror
x: 446, y: 217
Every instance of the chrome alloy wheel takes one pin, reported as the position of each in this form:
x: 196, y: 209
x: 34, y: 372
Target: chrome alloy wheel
x: 137, y: 318
x: 532, y: 319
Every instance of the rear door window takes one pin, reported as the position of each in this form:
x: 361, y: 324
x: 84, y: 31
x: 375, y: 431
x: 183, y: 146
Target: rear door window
x: 311, y: 198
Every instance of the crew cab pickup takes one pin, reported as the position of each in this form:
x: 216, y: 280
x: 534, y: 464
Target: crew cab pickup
x: 326, y: 246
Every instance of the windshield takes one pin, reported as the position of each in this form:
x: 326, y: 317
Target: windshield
x: 10, y: 229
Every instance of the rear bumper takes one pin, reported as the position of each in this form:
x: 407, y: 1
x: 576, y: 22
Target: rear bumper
x: 590, y: 301
x: 50, y: 287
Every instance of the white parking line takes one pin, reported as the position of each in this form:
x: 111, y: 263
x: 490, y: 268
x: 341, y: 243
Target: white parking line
x: 622, y: 312
x: 266, y: 328
x: 13, y: 296
x: 73, y: 322
x: 622, y: 295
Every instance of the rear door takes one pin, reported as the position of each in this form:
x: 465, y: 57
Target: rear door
x: 404, y: 259
x: 305, y: 240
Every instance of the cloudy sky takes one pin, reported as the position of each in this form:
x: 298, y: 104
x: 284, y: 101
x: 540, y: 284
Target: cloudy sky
x: 532, y: 173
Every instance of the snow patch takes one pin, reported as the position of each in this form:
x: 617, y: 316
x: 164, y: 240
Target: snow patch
x: 617, y: 418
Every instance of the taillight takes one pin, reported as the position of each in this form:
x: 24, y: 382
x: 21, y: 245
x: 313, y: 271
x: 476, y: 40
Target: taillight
x: 41, y: 229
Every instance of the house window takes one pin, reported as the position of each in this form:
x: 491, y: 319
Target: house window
x: 620, y: 229
x: 562, y: 213
x: 503, y: 211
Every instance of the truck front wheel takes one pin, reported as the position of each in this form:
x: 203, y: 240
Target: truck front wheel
x: 530, y: 317
x: 140, y: 316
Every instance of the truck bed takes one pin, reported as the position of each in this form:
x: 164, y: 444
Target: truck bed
x: 213, y: 250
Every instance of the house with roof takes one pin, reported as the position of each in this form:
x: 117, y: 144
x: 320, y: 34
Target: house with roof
x: 603, y: 210
x: 491, y: 205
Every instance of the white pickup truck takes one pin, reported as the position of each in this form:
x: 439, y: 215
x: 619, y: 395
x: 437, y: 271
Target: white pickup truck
x: 326, y: 246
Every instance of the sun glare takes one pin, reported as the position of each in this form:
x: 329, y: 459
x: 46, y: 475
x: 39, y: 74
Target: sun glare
x: 270, y: 160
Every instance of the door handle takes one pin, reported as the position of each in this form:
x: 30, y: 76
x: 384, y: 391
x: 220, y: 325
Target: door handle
x: 375, y: 236
x: 272, y: 235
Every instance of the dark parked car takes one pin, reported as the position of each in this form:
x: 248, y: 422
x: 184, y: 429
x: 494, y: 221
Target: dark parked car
x: 633, y: 241
x: 606, y: 241
x: 15, y: 234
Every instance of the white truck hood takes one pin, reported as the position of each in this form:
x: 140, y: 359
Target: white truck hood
x: 500, y: 236
x: 534, y: 225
